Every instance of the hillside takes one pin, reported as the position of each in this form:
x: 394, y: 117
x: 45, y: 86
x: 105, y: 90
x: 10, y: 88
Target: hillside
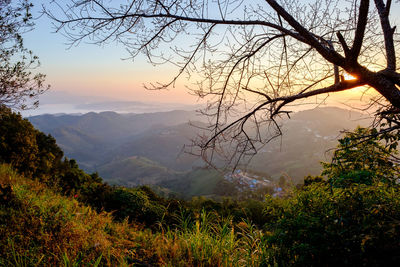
x: 136, y: 170
x: 90, y: 137
x: 53, y: 213
x: 197, y: 182
x: 308, y: 138
x: 105, y: 141
x: 162, y: 144
x: 40, y: 227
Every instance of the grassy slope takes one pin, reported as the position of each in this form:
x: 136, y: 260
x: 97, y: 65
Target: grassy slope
x: 40, y: 227
x: 37, y: 226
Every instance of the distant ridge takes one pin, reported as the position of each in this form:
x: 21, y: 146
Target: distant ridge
x: 106, y: 140
x: 56, y: 102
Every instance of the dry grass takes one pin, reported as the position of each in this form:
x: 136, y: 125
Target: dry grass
x: 40, y: 227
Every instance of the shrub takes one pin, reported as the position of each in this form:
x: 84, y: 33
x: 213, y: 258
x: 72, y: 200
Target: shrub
x: 323, y: 225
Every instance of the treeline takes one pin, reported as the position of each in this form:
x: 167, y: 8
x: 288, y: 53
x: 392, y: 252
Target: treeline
x: 350, y: 215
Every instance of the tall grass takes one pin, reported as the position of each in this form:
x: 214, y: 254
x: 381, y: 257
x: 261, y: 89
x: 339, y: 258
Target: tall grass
x: 209, y: 240
x: 39, y: 227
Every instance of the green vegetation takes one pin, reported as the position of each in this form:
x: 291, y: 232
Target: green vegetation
x: 197, y: 182
x: 320, y: 225
x: 136, y: 170
x: 52, y: 212
x: 40, y: 227
x: 18, y: 80
x: 105, y: 141
x: 362, y: 158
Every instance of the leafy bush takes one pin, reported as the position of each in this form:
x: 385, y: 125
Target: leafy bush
x: 134, y: 204
x: 362, y: 158
x: 323, y: 225
x: 18, y: 145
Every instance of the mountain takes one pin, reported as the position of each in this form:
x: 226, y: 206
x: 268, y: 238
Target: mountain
x: 90, y: 138
x: 132, y: 149
x: 163, y: 144
x: 111, y: 126
x: 136, y: 170
x: 308, y: 137
x: 58, y: 102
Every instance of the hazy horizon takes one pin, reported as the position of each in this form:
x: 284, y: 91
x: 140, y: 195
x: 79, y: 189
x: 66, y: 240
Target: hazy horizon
x: 63, y: 102
x: 67, y: 102
x: 88, y: 73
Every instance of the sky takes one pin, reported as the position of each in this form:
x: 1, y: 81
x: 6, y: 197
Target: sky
x: 103, y: 73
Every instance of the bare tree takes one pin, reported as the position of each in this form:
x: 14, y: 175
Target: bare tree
x: 17, y: 82
x: 250, y: 59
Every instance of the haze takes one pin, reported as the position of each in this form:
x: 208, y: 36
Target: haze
x: 96, y: 74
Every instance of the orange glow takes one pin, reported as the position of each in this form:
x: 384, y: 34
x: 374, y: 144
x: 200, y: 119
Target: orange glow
x: 349, y: 77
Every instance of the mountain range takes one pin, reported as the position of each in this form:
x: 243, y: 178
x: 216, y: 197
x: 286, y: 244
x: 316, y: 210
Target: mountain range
x: 134, y: 149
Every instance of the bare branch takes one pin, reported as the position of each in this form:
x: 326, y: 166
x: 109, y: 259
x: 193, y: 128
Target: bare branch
x: 361, y: 24
x: 309, y: 38
x: 344, y: 85
x: 387, y: 33
x: 251, y: 61
x: 342, y: 41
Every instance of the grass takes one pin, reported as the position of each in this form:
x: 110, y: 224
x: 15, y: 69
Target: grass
x: 39, y: 227
x: 210, y: 240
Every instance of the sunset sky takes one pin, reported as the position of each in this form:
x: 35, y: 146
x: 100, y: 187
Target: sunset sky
x: 91, y: 70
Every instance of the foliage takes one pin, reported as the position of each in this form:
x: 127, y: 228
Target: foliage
x: 17, y: 82
x: 317, y: 225
x: 39, y: 226
x: 134, y: 204
x: 18, y: 144
x: 321, y: 225
x: 361, y: 157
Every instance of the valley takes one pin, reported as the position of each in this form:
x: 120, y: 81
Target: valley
x: 149, y: 148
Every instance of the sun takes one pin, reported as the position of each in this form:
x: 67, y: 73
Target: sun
x: 349, y: 77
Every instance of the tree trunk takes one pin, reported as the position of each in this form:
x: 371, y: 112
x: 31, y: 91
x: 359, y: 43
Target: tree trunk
x: 387, y: 88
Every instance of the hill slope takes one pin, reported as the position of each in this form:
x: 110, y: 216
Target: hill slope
x: 90, y: 137
x: 38, y: 226
x: 105, y: 141
x: 136, y: 170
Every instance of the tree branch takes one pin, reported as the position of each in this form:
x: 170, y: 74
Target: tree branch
x: 361, y: 25
x: 343, y: 85
x: 182, y: 18
x: 342, y: 41
x: 309, y: 37
x: 387, y: 33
